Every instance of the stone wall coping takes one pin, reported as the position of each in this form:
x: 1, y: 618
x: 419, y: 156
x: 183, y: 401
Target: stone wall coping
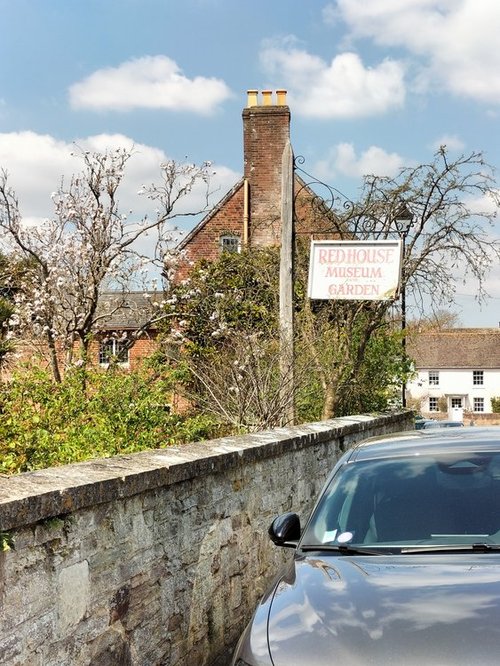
x: 30, y: 497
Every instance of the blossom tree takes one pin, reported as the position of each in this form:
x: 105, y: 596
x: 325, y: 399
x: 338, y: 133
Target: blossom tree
x: 90, y: 245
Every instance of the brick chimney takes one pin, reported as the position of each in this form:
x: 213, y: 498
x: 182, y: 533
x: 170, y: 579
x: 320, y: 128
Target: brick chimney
x: 266, y: 129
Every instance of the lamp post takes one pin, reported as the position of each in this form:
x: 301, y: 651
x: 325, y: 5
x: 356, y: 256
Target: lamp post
x: 403, y: 222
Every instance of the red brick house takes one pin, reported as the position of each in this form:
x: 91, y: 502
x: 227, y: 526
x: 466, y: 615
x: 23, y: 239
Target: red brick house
x: 125, y: 333
x: 249, y: 215
x: 125, y: 316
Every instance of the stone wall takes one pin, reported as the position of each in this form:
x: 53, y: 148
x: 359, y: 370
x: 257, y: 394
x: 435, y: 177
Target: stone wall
x: 158, y: 557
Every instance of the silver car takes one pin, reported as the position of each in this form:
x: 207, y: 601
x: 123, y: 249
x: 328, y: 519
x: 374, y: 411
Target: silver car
x: 398, y: 564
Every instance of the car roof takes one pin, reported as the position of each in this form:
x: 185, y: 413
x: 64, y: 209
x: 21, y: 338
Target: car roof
x: 417, y: 442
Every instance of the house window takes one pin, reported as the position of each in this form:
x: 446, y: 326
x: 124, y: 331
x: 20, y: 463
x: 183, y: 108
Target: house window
x: 113, y: 350
x: 479, y: 404
x: 229, y: 243
x: 433, y: 378
x: 456, y: 403
x: 477, y: 377
x: 433, y: 404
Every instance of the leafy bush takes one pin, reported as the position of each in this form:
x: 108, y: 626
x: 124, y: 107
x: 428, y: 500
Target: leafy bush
x: 495, y: 405
x: 90, y: 414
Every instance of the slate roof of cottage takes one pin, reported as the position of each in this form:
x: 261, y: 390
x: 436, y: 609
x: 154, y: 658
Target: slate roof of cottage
x: 121, y: 311
x: 458, y: 348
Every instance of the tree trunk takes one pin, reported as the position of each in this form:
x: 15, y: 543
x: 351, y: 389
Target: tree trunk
x: 330, y: 400
x: 54, y: 361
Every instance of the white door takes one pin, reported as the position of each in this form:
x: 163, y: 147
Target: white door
x: 456, y: 411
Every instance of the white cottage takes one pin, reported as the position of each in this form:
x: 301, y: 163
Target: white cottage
x: 458, y: 370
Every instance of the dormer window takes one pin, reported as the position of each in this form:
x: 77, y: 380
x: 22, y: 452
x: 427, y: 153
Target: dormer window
x: 230, y: 243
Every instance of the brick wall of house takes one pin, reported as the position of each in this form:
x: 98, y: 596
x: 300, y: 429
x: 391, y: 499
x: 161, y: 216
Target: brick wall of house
x: 140, y: 350
x: 35, y: 353
x: 227, y: 218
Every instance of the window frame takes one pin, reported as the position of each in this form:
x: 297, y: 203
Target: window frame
x: 433, y: 404
x: 230, y: 243
x: 478, y: 378
x: 433, y: 377
x: 118, y: 348
x: 478, y: 405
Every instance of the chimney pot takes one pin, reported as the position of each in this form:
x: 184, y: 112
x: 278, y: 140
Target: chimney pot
x: 252, y: 97
x: 281, y: 95
x: 267, y: 97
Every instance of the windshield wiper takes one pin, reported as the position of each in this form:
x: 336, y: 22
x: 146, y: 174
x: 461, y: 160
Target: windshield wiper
x: 452, y: 548
x: 342, y: 548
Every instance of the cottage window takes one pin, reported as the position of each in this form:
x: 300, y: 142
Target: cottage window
x: 479, y: 404
x: 434, y: 404
x: 433, y: 378
x: 113, y: 350
x: 230, y: 243
x: 477, y: 377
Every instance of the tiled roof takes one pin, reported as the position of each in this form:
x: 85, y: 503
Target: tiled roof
x: 458, y: 348
x: 120, y: 311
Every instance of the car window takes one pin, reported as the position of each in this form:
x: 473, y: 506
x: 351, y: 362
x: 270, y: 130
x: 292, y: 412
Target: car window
x: 447, y: 499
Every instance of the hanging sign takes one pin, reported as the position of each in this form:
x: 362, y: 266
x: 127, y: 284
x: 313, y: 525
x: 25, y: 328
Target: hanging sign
x: 355, y: 270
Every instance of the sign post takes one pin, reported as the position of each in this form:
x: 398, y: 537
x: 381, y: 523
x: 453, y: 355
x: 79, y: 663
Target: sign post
x: 287, y: 387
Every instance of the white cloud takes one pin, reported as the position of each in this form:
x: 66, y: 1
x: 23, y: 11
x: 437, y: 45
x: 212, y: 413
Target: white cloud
x: 330, y: 14
x: 36, y: 163
x: 343, y: 160
x: 483, y: 205
x: 343, y: 88
x: 454, y: 38
x: 450, y: 141
x: 152, y: 82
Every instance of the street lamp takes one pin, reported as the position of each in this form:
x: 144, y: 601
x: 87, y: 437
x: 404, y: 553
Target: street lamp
x: 403, y: 221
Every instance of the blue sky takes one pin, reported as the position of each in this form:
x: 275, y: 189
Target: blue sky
x: 373, y: 85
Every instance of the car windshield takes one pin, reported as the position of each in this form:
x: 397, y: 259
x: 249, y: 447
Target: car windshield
x: 410, y: 501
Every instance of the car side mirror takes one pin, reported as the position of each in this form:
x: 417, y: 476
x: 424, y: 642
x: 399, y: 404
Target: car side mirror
x: 285, y: 530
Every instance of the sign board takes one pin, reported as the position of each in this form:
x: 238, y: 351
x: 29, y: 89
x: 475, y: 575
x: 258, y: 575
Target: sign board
x: 355, y: 270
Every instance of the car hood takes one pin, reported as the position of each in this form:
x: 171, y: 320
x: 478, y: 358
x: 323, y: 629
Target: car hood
x: 403, y: 609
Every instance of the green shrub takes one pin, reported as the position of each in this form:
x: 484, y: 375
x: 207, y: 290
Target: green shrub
x: 90, y: 414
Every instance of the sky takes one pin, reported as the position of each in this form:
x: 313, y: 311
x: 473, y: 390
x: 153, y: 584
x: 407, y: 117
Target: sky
x: 373, y: 86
